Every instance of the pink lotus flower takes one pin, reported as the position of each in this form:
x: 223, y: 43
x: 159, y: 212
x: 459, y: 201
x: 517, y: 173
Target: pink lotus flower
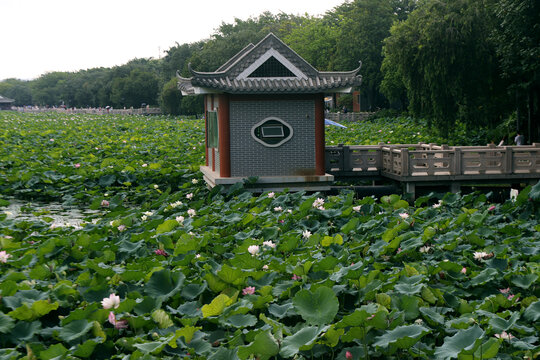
x: 121, y: 227
x: 4, y: 256
x: 491, y: 208
x: 250, y: 290
x: 505, y: 291
x: 77, y: 165
x: 464, y: 270
x: 113, y: 301
x: 104, y: 203
x: 161, y: 252
x: 296, y: 277
x: 118, y: 324
x: 348, y: 355
x: 511, y: 296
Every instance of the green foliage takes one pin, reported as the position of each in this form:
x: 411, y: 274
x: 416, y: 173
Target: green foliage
x: 444, y: 58
x: 366, y: 281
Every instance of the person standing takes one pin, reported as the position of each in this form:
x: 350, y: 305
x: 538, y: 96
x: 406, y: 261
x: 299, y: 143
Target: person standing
x: 519, y: 139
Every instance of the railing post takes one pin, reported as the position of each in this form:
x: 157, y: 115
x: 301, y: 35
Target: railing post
x: 457, y: 161
x: 509, y: 163
x: 405, y: 162
x: 346, y: 158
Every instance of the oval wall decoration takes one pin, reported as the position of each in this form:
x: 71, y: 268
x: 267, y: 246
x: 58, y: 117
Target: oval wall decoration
x: 272, y: 132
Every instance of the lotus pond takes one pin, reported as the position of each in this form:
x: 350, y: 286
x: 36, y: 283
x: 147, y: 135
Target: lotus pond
x: 159, y: 267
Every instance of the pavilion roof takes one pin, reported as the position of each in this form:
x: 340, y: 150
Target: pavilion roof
x: 270, y: 67
x: 5, y: 100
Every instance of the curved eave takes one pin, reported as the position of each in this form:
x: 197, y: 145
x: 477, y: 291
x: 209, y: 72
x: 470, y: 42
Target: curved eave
x: 352, y: 73
x: 201, y: 74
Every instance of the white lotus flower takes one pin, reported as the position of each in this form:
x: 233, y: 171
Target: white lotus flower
x: 357, y: 208
x: 113, y: 301
x: 253, y: 249
x: 514, y: 194
x: 191, y: 212
x: 176, y: 204
x: 504, y: 335
x: 271, y: 194
x: 404, y: 215
x: 480, y: 255
x: 306, y: 234
x: 180, y: 219
x: 318, y: 203
x: 269, y: 244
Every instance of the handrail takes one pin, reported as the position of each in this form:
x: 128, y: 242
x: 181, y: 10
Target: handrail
x: 431, y: 160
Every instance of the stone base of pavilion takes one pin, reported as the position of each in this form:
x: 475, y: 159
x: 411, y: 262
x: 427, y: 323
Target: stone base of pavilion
x: 271, y: 183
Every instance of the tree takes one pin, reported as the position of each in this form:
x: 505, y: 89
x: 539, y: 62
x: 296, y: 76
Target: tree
x: 517, y: 39
x: 49, y: 88
x: 18, y: 90
x: 316, y: 42
x: 171, y: 98
x: 444, y: 57
x: 177, y: 59
x: 229, y: 39
x: 139, y: 87
x: 364, y: 24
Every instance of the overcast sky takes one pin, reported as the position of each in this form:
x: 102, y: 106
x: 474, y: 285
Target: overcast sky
x: 39, y: 36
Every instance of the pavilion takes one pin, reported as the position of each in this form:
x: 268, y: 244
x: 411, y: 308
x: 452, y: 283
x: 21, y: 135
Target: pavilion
x: 265, y: 117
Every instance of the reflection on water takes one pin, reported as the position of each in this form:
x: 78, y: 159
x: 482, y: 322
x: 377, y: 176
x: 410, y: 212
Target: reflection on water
x: 56, y: 214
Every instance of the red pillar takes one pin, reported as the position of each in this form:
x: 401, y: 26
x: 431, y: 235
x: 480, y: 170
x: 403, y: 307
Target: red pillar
x: 319, y: 135
x: 224, y: 136
x: 206, y: 127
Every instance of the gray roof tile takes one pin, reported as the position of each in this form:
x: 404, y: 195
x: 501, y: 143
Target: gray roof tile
x: 227, y: 78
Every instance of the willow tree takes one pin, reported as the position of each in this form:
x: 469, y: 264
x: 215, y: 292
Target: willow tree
x: 445, y: 59
x: 518, y: 45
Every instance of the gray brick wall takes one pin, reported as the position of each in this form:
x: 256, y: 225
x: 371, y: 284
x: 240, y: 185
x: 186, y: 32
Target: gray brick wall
x: 295, y: 157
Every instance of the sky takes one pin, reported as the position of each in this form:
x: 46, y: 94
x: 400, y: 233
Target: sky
x: 40, y: 36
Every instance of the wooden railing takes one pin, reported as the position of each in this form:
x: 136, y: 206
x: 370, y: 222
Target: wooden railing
x: 424, y: 162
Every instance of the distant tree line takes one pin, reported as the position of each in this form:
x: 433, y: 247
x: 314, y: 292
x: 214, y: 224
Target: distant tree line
x: 472, y: 61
